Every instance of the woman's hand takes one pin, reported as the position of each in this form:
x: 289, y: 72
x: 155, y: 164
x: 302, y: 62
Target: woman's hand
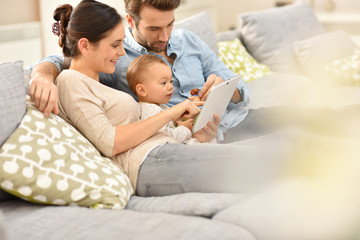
x: 209, y: 132
x: 130, y: 135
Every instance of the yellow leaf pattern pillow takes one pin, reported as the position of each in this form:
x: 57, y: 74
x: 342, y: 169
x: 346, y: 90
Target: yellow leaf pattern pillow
x: 346, y: 70
x: 238, y: 60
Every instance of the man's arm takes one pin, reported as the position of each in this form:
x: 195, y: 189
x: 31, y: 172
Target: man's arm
x: 215, y: 72
x: 43, y: 91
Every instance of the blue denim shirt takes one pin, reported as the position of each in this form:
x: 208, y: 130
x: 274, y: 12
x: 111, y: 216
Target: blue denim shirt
x: 193, y: 63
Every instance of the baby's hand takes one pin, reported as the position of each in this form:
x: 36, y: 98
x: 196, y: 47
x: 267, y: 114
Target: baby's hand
x: 187, y: 123
x: 195, y: 99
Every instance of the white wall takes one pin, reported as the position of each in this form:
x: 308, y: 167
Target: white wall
x: 229, y: 9
x: 342, y: 6
x: 224, y: 15
x: 18, y: 11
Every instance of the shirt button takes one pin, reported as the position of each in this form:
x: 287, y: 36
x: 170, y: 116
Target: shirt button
x: 142, y: 50
x: 174, y: 69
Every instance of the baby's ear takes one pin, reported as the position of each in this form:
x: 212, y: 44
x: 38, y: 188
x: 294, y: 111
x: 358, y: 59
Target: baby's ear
x: 140, y: 90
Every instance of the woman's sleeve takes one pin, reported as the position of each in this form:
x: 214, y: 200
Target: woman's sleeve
x: 86, y: 112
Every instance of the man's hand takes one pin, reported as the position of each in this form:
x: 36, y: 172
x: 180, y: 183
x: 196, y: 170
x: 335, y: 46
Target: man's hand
x: 213, y: 80
x: 45, y: 95
x: 43, y: 91
x: 209, y: 132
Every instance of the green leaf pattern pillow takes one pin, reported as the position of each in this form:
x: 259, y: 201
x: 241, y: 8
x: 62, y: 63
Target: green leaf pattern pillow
x: 237, y: 59
x: 346, y: 70
x: 48, y: 161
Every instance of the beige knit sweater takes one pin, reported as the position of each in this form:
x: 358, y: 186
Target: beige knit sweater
x: 95, y: 110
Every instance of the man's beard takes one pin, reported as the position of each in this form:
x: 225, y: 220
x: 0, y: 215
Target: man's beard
x: 150, y: 47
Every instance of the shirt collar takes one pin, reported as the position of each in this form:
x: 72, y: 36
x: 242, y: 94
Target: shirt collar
x: 130, y: 42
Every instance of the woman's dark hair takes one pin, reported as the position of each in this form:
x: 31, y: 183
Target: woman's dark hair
x: 89, y: 19
x: 133, y: 7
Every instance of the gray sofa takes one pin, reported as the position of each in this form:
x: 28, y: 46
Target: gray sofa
x: 316, y: 197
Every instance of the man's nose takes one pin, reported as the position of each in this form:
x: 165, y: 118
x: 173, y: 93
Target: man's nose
x: 164, y: 36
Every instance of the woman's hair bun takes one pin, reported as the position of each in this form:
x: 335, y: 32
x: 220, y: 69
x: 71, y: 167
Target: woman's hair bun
x: 62, y: 17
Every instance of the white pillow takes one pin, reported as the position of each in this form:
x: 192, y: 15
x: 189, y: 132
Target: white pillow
x: 316, y: 52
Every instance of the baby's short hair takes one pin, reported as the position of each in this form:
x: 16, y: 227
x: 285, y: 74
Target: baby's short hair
x: 137, y: 66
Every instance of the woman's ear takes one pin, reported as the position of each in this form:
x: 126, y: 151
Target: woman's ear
x: 84, y: 45
x: 140, y: 90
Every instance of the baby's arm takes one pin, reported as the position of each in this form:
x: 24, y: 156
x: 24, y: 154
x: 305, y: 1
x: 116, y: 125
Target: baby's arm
x: 181, y: 133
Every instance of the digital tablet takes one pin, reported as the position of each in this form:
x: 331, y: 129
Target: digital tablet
x: 216, y: 102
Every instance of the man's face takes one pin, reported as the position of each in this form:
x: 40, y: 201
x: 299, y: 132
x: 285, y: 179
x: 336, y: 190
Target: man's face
x: 153, y: 29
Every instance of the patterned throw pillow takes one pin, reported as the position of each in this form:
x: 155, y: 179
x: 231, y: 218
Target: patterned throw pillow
x: 346, y: 70
x: 237, y: 59
x: 48, y: 161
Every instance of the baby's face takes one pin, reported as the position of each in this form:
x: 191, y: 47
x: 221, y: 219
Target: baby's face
x: 158, y: 84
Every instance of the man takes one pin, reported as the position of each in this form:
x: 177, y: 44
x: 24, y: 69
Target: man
x: 193, y: 63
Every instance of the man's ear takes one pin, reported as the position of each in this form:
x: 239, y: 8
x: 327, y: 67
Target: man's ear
x: 141, y: 90
x: 130, y: 21
x: 84, y: 45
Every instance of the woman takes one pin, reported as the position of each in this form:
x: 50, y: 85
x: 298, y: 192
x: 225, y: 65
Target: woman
x: 92, y: 36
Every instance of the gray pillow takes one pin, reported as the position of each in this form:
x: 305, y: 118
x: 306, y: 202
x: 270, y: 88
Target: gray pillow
x: 269, y: 35
x: 12, y: 98
x: 228, y: 35
x: 201, y: 25
x: 315, y: 53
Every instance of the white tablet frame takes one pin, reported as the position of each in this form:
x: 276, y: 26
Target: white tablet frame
x: 216, y: 102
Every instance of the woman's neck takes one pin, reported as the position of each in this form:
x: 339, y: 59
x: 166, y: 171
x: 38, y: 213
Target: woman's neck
x: 84, y: 68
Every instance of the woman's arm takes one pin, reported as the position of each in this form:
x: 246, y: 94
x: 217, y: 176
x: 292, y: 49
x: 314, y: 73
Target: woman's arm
x: 130, y: 135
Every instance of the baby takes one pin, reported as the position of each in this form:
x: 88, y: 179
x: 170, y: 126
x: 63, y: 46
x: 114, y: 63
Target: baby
x: 150, y: 78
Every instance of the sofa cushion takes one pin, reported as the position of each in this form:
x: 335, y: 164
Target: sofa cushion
x: 237, y: 59
x: 316, y: 52
x: 48, y: 161
x: 201, y: 25
x: 37, y: 223
x: 269, y: 35
x: 191, y: 204
x: 3, y: 232
x: 12, y: 98
x: 279, y: 89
